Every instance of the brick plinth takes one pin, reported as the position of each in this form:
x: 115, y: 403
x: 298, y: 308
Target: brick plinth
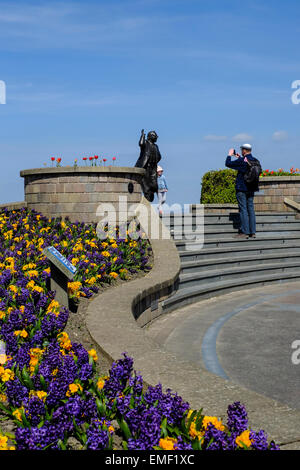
x: 80, y: 193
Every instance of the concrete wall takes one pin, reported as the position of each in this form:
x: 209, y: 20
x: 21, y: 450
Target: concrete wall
x: 77, y: 193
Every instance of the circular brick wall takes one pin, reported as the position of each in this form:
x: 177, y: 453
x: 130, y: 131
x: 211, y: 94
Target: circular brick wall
x: 77, y: 192
x: 273, y: 190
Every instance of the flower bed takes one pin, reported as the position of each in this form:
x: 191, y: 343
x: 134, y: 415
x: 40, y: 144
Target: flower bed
x: 281, y: 172
x: 48, y: 385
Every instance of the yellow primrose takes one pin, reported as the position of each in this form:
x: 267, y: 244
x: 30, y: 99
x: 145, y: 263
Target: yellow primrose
x: 101, y: 382
x: 17, y: 413
x: 64, y: 340
x: 73, y: 388
x: 244, y: 439
x: 113, y: 275
x: 93, y: 354
x: 22, y: 333
x: 39, y: 393
x: 53, y: 307
x: 74, y: 286
x: 167, y: 443
x: 38, y: 289
x: 30, y: 284
x: 6, y: 374
x: 32, y: 273
x: 13, y: 288
x: 35, y: 355
x: 4, y: 443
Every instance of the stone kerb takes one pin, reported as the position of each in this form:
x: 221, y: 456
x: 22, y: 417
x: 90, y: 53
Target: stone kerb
x: 77, y: 192
x: 13, y: 206
x: 114, y: 320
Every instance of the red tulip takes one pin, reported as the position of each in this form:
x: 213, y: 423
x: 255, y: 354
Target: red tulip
x: 84, y: 158
x: 114, y: 158
x: 59, y: 160
x: 95, y: 157
x: 53, y: 159
x: 104, y: 159
x: 91, y: 158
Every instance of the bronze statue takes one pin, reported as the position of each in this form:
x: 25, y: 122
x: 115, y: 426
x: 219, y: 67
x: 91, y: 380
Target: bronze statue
x: 148, y: 159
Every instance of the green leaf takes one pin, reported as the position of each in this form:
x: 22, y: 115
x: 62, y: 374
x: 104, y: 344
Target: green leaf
x: 191, y: 418
x: 101, y: 407
x: 199, y: 421
x: 26, y: 379
x: 25, y: 420
x: 125, y: 429
x: 43, y: 383
x: 163, y: 427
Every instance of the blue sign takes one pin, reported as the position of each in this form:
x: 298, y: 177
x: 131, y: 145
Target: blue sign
x: 61, y: 258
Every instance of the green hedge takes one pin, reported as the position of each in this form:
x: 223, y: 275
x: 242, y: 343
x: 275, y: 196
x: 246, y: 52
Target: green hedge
x: 218, y: 187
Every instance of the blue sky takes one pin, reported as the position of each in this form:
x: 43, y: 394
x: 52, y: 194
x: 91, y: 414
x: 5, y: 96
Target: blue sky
x: 84, y: 77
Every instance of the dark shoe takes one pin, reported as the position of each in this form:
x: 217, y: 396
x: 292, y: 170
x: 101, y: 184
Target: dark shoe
x: 252, y: 235
x: 242, y: 236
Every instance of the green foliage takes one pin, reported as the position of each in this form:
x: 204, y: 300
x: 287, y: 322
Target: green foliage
x: 218, y: 187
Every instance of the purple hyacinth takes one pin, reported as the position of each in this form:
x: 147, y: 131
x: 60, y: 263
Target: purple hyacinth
x: 215, y: 439
x: 148, y: 434
x: 97, y: 437
x: 39, y: 438
x: 237, y: 421
x: 259, y: 440
x: 170, y: 404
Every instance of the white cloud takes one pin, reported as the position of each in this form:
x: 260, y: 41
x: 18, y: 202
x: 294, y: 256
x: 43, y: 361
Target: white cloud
x: 280, y: 136
x: 215, y: 138
x: 242, y: 137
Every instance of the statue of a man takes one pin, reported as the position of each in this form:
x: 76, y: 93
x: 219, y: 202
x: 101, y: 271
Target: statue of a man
x: 148, y: 159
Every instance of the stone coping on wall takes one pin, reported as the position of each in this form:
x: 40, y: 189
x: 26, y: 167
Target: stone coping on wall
x: 294, y: 205
x: 111, y: 322
x: 280, y: 179
x: 82, y: 169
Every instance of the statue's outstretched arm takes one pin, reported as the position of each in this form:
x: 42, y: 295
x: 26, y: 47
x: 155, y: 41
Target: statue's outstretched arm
x: 142, y: 138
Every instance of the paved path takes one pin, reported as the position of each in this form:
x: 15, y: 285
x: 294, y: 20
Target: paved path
x: 245, y: 336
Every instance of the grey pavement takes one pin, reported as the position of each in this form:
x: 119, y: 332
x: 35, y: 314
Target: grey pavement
x: 245, y: 337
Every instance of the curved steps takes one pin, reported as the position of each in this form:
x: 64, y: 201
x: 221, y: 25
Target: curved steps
x: 222, y: 263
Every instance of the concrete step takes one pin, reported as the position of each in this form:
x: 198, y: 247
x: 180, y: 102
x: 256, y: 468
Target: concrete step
x: 204, y: 265
x: 245, y: 250
x: 220, y: 231
x: 233, y: 243
x: 261, y: 217
x: 193, y: 294
x: 237, y: 272
x: 191, y: 225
